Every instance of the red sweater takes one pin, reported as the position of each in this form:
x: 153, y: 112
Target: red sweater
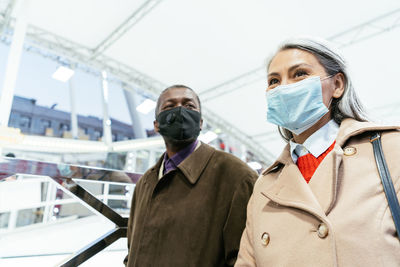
x: 308, y: 163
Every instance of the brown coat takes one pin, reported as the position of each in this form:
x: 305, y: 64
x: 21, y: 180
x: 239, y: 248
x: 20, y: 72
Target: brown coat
x: 345, y: 194
x: 193, y: 216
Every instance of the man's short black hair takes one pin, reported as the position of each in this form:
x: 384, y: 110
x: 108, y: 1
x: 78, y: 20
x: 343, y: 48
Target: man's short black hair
x: 173, y: 87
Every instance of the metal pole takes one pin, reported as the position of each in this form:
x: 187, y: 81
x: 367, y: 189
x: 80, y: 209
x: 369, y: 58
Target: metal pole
x: 14, y: 56
x: 107, y: 137
x: 138, y: 130
x: 74, y: 116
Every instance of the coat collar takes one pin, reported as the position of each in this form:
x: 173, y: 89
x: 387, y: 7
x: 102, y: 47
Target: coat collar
x: 193, y: 165
x: 319, y: 196
x: 348, y: 128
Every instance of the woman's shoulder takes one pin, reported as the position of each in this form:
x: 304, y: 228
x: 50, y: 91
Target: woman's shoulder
x: 352, y: 129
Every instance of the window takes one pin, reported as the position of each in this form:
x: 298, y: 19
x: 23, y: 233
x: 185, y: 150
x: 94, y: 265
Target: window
x: 45, y: 124
x: 64, y: 127
x: 25, y: 122
x: 97, y: 135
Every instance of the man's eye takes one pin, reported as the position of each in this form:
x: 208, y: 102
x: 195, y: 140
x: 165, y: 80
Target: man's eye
x: 190, y: 106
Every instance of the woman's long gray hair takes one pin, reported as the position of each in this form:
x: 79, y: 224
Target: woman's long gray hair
x: 348, y: 105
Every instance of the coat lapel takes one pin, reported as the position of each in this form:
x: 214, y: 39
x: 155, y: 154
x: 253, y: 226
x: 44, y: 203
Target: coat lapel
x: 324, y: 183
x: 193, y: 166
x: 290, y: 189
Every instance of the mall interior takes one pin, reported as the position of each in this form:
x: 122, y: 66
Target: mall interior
x: 79, y: 81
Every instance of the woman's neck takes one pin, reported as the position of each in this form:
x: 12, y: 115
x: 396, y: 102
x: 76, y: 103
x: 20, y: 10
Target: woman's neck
x: 301, y: 138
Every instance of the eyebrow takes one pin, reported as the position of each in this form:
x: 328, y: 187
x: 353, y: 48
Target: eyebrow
x: 291, y: 68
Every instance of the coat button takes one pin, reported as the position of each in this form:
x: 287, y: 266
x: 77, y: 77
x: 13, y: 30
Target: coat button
x: 323, y: 230
x: 349, y: 151
x: 265, y: 239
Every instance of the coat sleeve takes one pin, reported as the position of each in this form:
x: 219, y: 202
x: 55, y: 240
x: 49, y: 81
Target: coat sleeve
x: 130, y: 224
x: 236, y: 219
x: 246, y: 251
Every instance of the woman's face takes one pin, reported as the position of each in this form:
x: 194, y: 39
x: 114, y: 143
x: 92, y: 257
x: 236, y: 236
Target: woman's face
x: 293, y: 65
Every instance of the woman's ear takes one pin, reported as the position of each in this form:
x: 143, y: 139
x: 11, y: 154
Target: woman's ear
x: 339, y: 83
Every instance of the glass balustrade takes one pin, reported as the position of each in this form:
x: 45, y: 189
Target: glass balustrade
x: 62, y: 215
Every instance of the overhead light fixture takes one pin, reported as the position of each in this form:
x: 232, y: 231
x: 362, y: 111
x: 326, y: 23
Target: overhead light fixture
x: 208, y: 137
x: 63, y: 74
x: 146, y: 106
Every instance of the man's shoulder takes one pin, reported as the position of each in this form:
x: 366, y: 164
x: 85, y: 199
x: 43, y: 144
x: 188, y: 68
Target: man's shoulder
x: 228, y: 158
x: 227, y: 162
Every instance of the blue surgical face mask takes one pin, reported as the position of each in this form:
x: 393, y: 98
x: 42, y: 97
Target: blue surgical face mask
x: 296, y: 106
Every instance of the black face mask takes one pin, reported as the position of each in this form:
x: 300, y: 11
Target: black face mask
x: 179, y: 123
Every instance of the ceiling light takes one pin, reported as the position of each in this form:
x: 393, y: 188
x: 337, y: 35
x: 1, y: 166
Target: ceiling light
x: 63, y: 74
x: 208, y: 137
x: 146, y: 106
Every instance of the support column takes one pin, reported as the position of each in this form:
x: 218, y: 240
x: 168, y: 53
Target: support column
x: 74, y: 116
x: 14, y: 57
x: 107, y: 136
x: 137, y: 127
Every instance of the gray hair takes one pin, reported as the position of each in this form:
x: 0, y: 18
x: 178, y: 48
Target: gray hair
x: 349, y: 104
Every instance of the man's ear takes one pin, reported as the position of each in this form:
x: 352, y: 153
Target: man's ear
x: 201, y: 124
x: 339, y: 82
x: 156, y: 126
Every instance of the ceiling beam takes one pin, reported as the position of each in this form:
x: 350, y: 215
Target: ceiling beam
x: 139, y: 14
x: 359, y: 33
x: 233, y: 84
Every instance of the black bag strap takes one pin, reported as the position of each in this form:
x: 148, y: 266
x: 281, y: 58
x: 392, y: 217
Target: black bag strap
x: 386, y: 180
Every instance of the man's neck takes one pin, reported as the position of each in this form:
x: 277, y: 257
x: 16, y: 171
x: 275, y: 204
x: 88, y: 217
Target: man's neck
x: 172, y: 149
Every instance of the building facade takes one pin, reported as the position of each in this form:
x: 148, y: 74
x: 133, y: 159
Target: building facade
x: 33, y: 119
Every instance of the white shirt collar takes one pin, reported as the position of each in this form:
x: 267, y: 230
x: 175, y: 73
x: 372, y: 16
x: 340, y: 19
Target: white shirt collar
x: 317, y: 143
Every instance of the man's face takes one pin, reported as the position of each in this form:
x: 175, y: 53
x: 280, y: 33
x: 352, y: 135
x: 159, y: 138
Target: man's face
x: 177, y: 97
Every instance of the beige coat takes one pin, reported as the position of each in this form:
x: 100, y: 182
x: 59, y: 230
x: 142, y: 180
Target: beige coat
x: 341, y: 218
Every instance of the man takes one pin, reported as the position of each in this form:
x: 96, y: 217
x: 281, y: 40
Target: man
x: 190, y: 208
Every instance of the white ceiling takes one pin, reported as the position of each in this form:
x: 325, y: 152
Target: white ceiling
x: 204, y: 43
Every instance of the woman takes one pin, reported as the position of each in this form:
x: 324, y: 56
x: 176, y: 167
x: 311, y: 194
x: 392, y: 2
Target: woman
x: 322, y: 202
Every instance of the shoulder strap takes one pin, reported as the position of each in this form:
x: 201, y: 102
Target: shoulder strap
x: 387, y: 182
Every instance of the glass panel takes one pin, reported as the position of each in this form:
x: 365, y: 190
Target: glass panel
x: 29, y: 216
x: 4, y: 218
x: 142, y: 161
x: 47, y: 215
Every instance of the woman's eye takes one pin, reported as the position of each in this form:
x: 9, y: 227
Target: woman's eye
x: 273, y: 81
x: 300, y: 73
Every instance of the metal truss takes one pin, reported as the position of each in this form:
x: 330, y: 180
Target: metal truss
x: 7, y: 16
x: 367, y: 30
x: 64, y: 51
x: 233, y: 84
x: 364, y: 31
x: 142, y: 11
